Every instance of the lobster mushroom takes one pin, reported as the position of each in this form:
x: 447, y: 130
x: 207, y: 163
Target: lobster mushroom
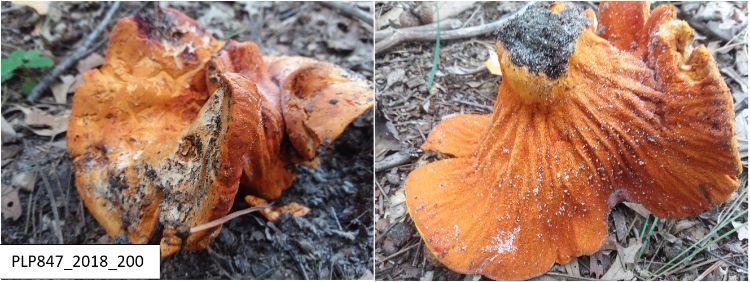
x: 166, y: 131
x: 587, y: 115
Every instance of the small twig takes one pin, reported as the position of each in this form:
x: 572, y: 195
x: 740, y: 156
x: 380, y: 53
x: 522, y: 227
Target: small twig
x: 399, y: 37
x: 333, y: 211
x: 77, y: 55
x: 709, y: 270
x: 53, y: 203
x: 469, y: 103
x: 393, y: 160
x: 402, y: 251
x: 222, y: 220
x: 29, y: 211
x: 445, y: 24
x: 299, y: 265
x: 349, y: 10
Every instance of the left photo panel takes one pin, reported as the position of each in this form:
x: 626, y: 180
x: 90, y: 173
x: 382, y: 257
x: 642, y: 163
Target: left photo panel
x: 233, y: 138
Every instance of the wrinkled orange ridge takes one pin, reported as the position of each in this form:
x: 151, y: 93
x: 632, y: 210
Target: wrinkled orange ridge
x: 164, y: 132
x: 635, y: 115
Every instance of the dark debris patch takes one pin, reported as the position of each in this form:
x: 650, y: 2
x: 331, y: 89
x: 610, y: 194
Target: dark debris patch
x: 543, y: 41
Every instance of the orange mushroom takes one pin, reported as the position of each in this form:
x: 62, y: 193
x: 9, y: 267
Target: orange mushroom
x: 165, y: 131
x: 266, y: 164
x: 308, y: 94
x: 311, y: 93
x: 583, y: 120
x: 132, y: 112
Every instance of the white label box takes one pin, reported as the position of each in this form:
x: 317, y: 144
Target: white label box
x: 80, y: 262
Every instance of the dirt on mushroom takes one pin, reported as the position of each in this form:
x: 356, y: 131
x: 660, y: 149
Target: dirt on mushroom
x: 558, y: 155
x: 414, y: 131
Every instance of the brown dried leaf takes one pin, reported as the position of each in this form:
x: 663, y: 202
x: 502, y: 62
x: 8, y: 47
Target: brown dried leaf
x: 61, y: 89
x: 596, y: 264
x: 24, y: 181
x: 618, y: 271
x: 683, y: 225
x: 8, y: 152
x: 8, y: 133
x: 640, y: 209
x: 629, y: 253
x: 11, y: 208
x: 391, y: 16
x: 741, y: 231
x: 44, y: 124
x: 573, y: 268
x: 90, y: 62
x: 40, y: 7
x: 621, y: 225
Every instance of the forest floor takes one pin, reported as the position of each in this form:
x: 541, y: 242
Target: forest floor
x: 407, y: 111
x: 334, y: 241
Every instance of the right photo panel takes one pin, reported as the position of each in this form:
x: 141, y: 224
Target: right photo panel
x: 561, y: 141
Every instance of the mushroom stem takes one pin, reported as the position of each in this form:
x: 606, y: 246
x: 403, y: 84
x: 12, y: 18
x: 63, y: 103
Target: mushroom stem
x: 530, y: 87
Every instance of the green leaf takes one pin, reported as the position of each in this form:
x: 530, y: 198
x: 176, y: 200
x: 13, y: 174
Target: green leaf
x: 28, y: 84
x: 34, y: 60
x: 31, y: 54
x: 11, y: 63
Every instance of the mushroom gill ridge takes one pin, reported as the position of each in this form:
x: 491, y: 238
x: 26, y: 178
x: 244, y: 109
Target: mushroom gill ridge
x: 651, y: 124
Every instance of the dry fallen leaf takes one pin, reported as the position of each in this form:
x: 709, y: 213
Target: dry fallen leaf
x: 573, y: 268
x: 493, y: 63
x: 9, y: 152
x: 683, y: 224
x: 24, y: 181
x: 11, y: 204
x: 8, y: 133
x: 396, y: 209
x: 621, y: 225
x: 630, y: 252
x: 61, y: 89
x: 741, y: 230
x: 617, y: 271
x: 640, y: 209
x: 391, y: 16
x: 78, y: 82
x: 40, y: 7
x: 90, y: 62
x: 44, y: 124
x: 595, y: 264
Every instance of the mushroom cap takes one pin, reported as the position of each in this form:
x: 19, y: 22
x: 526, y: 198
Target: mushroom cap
x: 200, y: 177
x: 267, y: 167
x: 133, y: 109
x: 301, y: 95
x: 572, y: 136
x: 319, y: 100
x: 163, y: 131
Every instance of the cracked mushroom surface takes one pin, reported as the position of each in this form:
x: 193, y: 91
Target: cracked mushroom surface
x: 587, y: 115
x: 164, y: 132
x: 306, y: 101
x: 131, y: 112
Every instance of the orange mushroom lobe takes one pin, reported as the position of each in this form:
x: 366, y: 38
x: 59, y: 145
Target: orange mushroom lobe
x: 580, y: 124
x: 162, y: 134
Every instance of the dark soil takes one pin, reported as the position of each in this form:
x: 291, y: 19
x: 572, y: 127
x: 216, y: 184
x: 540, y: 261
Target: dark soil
x: 409, y: 111
x: 334, y: 241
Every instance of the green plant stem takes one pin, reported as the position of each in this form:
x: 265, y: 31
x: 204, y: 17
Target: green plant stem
x: 671, y: 265
x: 436, y: 53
